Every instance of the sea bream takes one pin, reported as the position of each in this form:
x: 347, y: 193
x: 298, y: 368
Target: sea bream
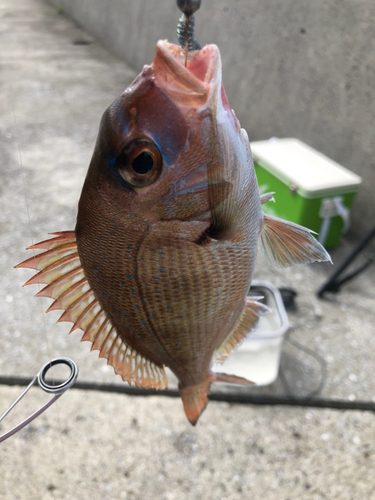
x: 158, y: 268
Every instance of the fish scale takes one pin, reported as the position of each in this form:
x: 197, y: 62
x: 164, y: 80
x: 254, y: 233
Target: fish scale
x: 119, y: 295
x: 188, y: 289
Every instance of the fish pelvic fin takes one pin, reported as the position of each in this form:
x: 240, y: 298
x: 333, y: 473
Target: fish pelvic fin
x: 59, y: 268
x: 285, y: 243
x: 264, y: 198
x: 195, y: 397
x: 248, y: 320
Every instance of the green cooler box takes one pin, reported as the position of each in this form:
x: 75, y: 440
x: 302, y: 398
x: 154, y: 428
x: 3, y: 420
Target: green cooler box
x: 310, y: 189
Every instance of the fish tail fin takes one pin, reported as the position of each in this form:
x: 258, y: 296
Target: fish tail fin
x: 286, y: 243
x: 195, y: 397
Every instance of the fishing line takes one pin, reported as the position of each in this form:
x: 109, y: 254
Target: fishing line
x: 30, y: 230
x: 40, y: 302
x: 18, y: 147
x: 29, y: 220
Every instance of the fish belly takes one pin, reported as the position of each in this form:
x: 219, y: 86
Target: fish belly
x: 194, y: 294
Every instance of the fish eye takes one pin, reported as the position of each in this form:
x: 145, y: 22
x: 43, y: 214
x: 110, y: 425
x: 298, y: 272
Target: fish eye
x: 140, y: 163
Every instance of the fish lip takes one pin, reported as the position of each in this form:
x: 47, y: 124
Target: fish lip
x: 198, y: 80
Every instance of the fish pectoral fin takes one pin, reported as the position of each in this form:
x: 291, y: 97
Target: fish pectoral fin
x: 59, y: 267
x: 264, y: 198
x: 285, y: 243
x: 253, y: 310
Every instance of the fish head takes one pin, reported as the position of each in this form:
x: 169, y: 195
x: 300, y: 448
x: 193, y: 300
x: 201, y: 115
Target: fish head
x: 157, y: 153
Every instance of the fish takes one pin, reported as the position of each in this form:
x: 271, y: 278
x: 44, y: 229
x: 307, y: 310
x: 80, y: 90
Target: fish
x: 157, y: 270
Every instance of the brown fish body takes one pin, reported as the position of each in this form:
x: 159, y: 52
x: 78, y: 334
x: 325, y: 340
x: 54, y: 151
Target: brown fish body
x: 167, y: 230
x: 173, y: 292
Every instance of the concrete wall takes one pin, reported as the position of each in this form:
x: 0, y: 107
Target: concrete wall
x: 292, y: 68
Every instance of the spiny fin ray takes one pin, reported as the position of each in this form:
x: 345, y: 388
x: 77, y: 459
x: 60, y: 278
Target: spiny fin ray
x: 62, y: 284
x: 65, y: 237
x: 71, y: 296
x: 44, y: 259
x: 253, y: 310
x: 59, y: 268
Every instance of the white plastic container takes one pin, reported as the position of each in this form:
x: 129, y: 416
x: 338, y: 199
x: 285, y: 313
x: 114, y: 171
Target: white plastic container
x: 258, y: 357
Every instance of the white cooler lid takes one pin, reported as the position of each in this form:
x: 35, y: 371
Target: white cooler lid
x: 312, y: 173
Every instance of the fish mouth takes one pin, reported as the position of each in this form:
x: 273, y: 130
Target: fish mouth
x: 190, y: 85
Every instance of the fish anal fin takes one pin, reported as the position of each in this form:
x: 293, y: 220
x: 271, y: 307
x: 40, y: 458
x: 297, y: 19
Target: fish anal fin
x: 253, y: 310
x: 285, y: 243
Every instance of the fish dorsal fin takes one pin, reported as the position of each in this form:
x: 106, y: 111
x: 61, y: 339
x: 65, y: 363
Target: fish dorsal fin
x: 285, y: 243
x: 253, y: 310
x: 59, y: 268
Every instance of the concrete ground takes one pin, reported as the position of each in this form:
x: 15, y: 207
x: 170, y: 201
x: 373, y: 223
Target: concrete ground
x: 55, y: 83
x: 112, y: 446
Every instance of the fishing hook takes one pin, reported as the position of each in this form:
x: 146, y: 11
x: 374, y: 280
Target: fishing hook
x: 186, y: 24
x: 57, y: 390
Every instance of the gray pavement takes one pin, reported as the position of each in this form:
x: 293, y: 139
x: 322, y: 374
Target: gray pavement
x: 55, y: 83
x: 109, y: 446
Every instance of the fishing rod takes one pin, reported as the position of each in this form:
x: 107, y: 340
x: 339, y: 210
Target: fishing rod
x: 56, y: 390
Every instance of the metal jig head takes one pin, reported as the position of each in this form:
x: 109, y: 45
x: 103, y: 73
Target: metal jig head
x: 57, y: 390
x: 186, y: 24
